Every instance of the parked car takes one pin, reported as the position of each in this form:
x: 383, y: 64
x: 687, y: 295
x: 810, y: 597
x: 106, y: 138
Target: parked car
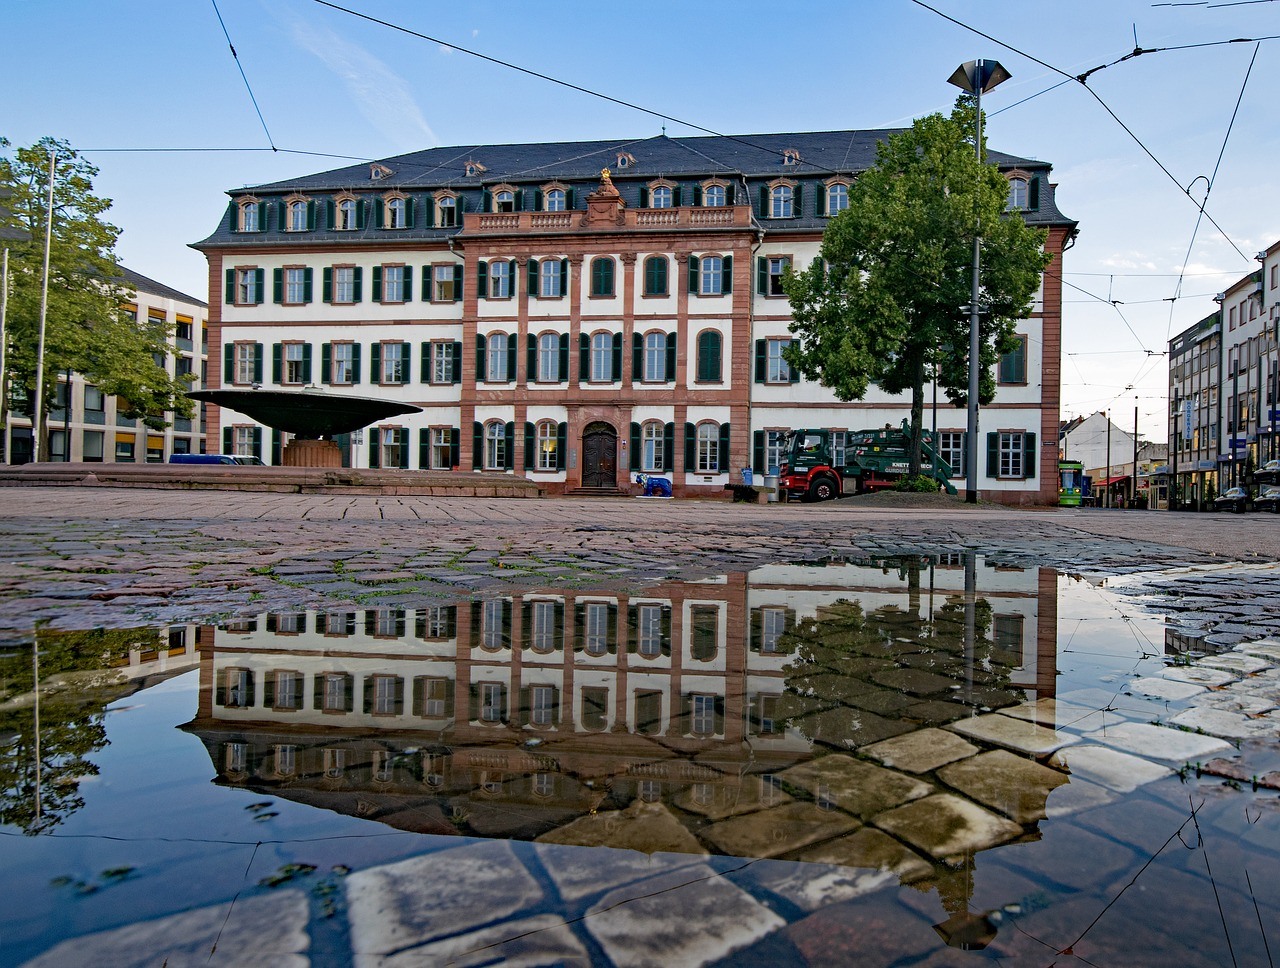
x: 201, y: 459
x: 255, y: 461
x: 1268, y: 499
x: 1232, y: 499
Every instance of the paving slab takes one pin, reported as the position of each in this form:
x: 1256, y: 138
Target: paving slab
x: 1076, y: 797
x: 1015, y: 734
x: 781, y: 830
x: 855, y: 786
x: 1158, y: 742
x: 262, y: 929
x: 946, y: 826
x: 1200, y: 675
x: 869, y: 849
x: 650, y: 828
x: 526, y: 943
x: 1016, y: 786
x: 751, y: 794
x: 1159, y: 687
x: 1056, y: 714
x: 1111, y: 768
x: 1226, y: 724
x: 922, y: 751
x: 1243, y: 665
x: 389, y: 910
x: 811, y: 886
x: 1263, y: 649
x: 647, y: 924
x: 580, y: 872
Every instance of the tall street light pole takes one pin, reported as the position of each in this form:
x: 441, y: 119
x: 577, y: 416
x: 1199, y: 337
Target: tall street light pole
x: 976, y: 77
x: 37, y: 419
x: 7, y: 234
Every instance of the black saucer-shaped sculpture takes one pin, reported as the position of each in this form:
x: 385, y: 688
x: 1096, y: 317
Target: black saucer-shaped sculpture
x: 311, y: 417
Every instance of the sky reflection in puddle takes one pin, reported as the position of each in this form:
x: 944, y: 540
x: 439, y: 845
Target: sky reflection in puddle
x: 790, y: 765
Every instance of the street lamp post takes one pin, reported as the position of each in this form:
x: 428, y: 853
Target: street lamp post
x: 976, y: 77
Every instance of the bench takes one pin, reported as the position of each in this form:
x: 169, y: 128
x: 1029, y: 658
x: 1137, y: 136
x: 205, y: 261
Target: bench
x: 748, y: 493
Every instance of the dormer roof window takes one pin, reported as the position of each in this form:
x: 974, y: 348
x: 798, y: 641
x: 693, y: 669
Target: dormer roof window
x: 791, y: 157
x: 625, y: 160
x: 378, y: 172
x: 475, y: 169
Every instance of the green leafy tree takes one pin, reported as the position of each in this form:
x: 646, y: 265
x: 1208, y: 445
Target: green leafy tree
x: 86, y: 329
x: 887, y: 302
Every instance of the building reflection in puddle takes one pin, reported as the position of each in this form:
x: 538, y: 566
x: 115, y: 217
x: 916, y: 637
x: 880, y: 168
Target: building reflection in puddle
x: 793, y: 711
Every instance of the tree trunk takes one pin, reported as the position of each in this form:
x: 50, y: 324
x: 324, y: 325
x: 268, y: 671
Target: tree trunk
x: 917, y: 411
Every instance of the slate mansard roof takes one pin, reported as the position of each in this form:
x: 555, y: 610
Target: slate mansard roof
x: 746, y: 161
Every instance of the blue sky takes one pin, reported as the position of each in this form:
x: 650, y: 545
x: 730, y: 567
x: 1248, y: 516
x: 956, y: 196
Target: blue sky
x: 150, y: 74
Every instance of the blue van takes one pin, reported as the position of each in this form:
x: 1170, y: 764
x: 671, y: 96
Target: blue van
x: 201, y: 459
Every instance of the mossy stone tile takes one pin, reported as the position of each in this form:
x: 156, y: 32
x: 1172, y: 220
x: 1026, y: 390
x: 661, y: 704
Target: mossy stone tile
x: 647, y: 827
x: 855, y: 786
x: 769, y: 833
x: 1015, y: 734
x: 947, y: 826
x: 1016, y: 786
x: 921, y: 751
x: 872, y: 849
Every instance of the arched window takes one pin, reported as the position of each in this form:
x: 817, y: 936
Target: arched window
x: 602, y: 276
x: 713, y: 196
x: 549, y: 358
x: 496, y: 359
x: 660, y: 197
x: 780, y: 201
x: 297, y: 216
x: 655, y: 275
x: 495, y: 446
x: 504, y: 201
x: 653, y: 446
x: 249, y: 217
x: 1018, y: 195
x: 602, y: 358
x: 708, y: 453
x: 710, y: 351
x: 655, y: 357
x: 837, y: 198
x: 548, y: 442
x: 447, y: 211
x: 345, y: 215
x: 554, y: 200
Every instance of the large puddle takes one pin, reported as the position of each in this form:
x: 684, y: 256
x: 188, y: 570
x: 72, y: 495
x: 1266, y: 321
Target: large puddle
x: 919, y: 762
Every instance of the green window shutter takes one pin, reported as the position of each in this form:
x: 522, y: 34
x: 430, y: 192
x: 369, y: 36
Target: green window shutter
x: 486, y: 201
x: 482, y: 280
x: 258, y: 277
x: 675, y: 197
x: 257, y: 362
x: 407, y: 359
x: 1029, y: 456
x: 230, y: 287
x: 617, y: 357
x: 228, y: 364
x: 406, y: 288
x: 359, y: 277
x: 375, y: 362
x: 690, y: 448
x: 637, y: 357
x: 510, y: 430
x: 326, y: 284
x: 568, y: 199
x: 1033, y: 193
x: 227, y: 441
x: 671, y: 357
x: 408, y: 212
x: 256, y: 437
x: 511, y: 359
x: 730, y: 194
x: 457, y: 364
x: 426, y: 283
x: 378, y: 207
x: 482, y: 348
x: 282, y: 213
x: 564, y: 277
x: 477, y: 449
x: 725, y: 430
x: 355, y: 363
x: 668, y: 447
x: 306, y: 362
x: 693, y: 274
x: 820, y: 201
x: 584, y: 357
x: 562, y: 444
x: 762, y: 275
x: 404, y: 450
x: 762, y: 360
x: 373, y: 448
x: 635, y: 446
x: 455, y: 444
x: 792, y: 371
x: 277, y: 286
x: 528, y: 445
x: 993, y: 455
x: 727, y: 286
x: 537, y: 200
x: 377, y: 284
x: 326, y: 361
x: 533, y: 277
x: 697, y: 195
x: 311, y: 215
x: 764, y: 201
x: 424, y: 363
x: 797, y: 201
x: 306, y: 284
x: 644, y: 197
x: 457, y: 282
x: 531, y: 358
x: 361, y: 206
x: 429, y: 212
x: 262, y: 215
x: 564, y: 358
x: 757, y: 451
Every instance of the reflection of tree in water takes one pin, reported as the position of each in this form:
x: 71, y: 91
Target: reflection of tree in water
x: 76, y: 685
x: 858, y: 676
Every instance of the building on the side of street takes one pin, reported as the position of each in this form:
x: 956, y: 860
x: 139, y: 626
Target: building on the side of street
x: 84, y: 423
x: 1195, y: 409
x: 583, y: 312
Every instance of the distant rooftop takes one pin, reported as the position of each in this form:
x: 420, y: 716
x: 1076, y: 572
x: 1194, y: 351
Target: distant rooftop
x: 140, y: 283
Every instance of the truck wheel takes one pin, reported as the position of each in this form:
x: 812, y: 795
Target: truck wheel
x: 822, y: 490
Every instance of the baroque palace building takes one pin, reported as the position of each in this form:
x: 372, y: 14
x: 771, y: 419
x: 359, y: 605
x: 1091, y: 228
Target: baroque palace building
x: 584, y: 311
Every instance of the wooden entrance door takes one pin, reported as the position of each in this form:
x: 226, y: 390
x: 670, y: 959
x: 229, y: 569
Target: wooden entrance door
x: 599, y: 456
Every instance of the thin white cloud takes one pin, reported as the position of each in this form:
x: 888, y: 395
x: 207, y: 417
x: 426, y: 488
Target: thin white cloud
x: 380, y: 94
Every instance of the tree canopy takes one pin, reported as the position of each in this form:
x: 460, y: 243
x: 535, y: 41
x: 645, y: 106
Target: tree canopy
x: 86, y: 329
x: 887, y: 301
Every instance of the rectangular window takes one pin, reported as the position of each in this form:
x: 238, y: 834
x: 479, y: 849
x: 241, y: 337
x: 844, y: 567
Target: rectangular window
x: 839, y: 439
x: 442, y: 362
x: 704, y: 715
x: 295, y: 286
x: 395, y: 364
x: 1011, y: 447
x: 183, y: 329
x: 653, y: 447
x: 92, y: 446
x: 649, y: 630
x: 542, y: 637
x: 242, y: 440
x: 343, y: 364
x: 771, y: 275
x: 491, y: 702
x: 393, y: 441
x: 951, y: 450
x: 294, y: 372
x: 248, y: 292
x: 550, y: 282
x: 777, y: 370
x: 542, y: 705
x: 1013, y: 365
x: 286, y: 760
x: 773, y: 623
x: 773, y: 450
x: 595, y: 630
x: 500, y: 280
x: 393, y: 286
x: 443, y: 283
x: 384, y: 695
x: 711, y: 275
x: 288, y: 690
x: 435, y: 698
x: 441, y: 448
x: 344, y: 284
x: 492, y: 632
x: 335, y: 693
x: 246, y: 360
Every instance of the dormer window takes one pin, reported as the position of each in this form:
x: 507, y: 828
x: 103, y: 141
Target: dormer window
x: 298, y: 214
x: 836, y: 196
x: 1018, y: 193
x: 624, y: 160
x: 782, y: 201
x: 474, y: 169
x: 446, y: 211
x: 397, y: 212
x: 713, y: 194
x: 249, y: 215
x: 554, y: 200
x: 660, y: 197
x: 378, y: 172
x: 504, y: 201
x: 345, y: 214
x: 791, y: 157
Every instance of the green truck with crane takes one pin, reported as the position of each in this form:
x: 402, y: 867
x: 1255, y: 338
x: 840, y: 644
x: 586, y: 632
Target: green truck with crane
x: 873, y: 460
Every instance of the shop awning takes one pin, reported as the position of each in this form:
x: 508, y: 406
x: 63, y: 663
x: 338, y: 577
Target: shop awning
x: 1110, y: 480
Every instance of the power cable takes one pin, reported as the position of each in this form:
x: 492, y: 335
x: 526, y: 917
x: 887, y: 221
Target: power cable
x: 243, y: 76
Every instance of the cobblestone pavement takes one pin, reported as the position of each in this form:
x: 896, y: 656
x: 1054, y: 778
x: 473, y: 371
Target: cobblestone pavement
x: 77, y: 557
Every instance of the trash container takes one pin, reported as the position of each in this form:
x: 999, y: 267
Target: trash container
x: 746, y: 476
x: 771, y: 481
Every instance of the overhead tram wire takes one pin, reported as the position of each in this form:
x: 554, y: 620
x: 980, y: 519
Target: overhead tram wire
x: 1083, y: 80
x: 243, y: 76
